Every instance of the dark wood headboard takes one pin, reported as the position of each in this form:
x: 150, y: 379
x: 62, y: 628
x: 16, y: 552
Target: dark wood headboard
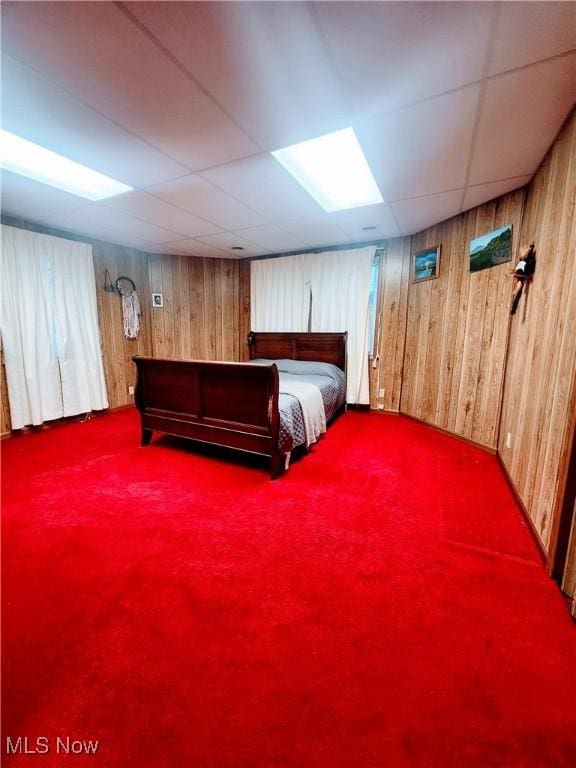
x: 321, y: 347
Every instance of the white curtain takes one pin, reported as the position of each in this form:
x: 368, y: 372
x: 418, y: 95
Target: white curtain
x: 77, y: 331
x: 340, y: 282
x: 28, y: 339
x: 280, y: 294
x: 49, y: 326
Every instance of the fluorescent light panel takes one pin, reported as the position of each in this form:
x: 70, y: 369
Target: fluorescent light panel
x: 333, y: 169
x: 28, y: 159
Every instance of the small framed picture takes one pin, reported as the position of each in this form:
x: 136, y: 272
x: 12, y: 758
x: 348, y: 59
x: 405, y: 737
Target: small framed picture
x: 157, y: 300
x: 426, y: 265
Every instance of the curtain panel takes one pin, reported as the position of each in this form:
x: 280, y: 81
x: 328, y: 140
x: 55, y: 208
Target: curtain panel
x: 49, y: 327
x: 327, y: 291
x: 280, y: 294
x: 340, y: 282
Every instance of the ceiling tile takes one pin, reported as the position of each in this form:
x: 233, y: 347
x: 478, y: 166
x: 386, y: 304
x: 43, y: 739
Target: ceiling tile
x: 271, y: 239
x: 261, y: 183
x: 422, y: 149
x: 201, y: 249
x: 481, y: 193
x: 394, y: 53
x: 265, y: 62
x: 203, y: 199
x: 225, y: 240
x: 169, y: 249
x: 41, y: 112
x: 144, y: 206
x: 379, y: 216
x: 32, y: 200
x: 316, y: 231
x: 521, y: 114
x: 98, y: 232
x: 47, y: 115
x: 97, y: 53
x: 528, y: 32
x: 99, y: 215
x: 421, y: 212
x: 110, y: 236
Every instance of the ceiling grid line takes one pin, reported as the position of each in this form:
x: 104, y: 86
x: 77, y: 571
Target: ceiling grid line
x: 478, y: 81
x: 481, y: 96
x: 121, y: 6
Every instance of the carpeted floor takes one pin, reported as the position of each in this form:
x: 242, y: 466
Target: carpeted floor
x: 382, y: 605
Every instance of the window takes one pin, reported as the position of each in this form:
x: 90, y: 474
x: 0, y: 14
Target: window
x: 373, y: 303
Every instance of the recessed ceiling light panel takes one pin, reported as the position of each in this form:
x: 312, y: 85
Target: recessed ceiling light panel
x: 35, y: 162
x: 333, y: 169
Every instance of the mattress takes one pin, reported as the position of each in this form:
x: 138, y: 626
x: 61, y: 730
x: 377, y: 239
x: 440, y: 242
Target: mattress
x: 329, y: 379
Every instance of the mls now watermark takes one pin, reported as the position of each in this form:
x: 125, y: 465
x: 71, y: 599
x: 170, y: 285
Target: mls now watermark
x: 42, y: 745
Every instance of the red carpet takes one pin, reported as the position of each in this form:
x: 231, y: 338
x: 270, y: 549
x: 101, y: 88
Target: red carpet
x: 380, y: 606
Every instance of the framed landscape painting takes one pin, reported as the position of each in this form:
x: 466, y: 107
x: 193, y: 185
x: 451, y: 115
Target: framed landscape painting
x: 491, y: 249
x: 426, y: 264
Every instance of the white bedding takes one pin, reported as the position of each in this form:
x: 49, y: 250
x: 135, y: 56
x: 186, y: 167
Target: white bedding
x: 312, y: 405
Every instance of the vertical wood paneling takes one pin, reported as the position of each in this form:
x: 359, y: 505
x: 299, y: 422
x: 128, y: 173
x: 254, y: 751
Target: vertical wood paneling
x: 210, y: 309
x: 168, y: 264
x: 244, y: 308
x: 202, y: 310
x: 539, y: 392
x: 236, y: 308
x: 117, y: 350
x: 390, y: 324
x: 229, y: 319
x: 5, y: 425
x: 457, y: 328
x: 157, y: 313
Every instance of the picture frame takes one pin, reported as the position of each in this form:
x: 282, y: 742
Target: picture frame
x: 157, y: 300
x: 426, y: 264
x: 491, y: 249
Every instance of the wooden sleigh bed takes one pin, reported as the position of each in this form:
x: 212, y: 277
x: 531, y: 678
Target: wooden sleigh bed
x: 234, y: 405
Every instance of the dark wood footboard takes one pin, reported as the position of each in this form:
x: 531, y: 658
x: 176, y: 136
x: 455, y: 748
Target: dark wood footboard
x: 228, y: 404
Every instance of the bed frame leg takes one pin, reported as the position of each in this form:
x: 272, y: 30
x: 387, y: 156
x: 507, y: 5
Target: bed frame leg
x: 146, y: 436
x: 276, y: 465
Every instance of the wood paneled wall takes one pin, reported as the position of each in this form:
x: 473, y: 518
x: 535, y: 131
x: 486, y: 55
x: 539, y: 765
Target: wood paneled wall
x: 206, y: 311
x: 457, y: 326
x: 117, y: 350
x: 388, y: 354
x: 539, y: 393
x: 5, y: 425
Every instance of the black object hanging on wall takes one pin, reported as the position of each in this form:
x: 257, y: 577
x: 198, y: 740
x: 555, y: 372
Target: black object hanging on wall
x: 109, y: 286
x: 522, y: 275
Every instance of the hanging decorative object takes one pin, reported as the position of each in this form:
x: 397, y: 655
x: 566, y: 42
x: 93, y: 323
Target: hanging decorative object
x: 522, y: 275
x: 108, y: 284
x: 130, y: 306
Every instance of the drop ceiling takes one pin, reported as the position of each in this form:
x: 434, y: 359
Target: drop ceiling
x: 454, y: 103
